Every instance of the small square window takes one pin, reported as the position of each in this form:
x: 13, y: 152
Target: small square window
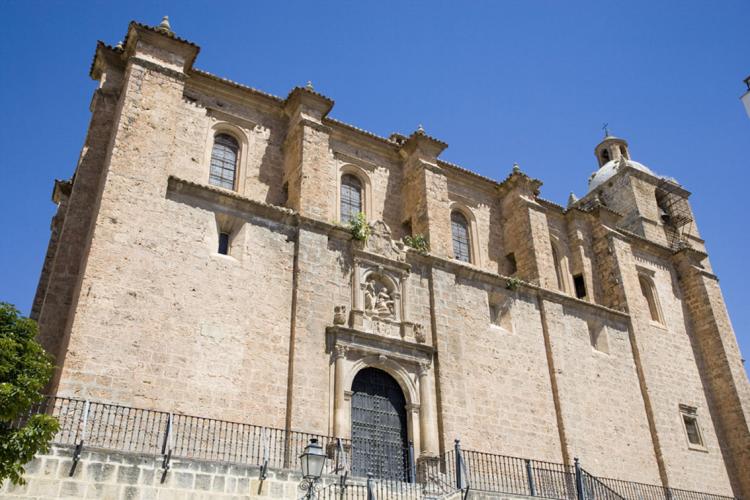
x: 512, y: 266
x: 692, y: 429
x: 224, y: 243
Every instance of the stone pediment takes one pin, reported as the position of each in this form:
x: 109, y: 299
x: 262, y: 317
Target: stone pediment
x: 380, y: 242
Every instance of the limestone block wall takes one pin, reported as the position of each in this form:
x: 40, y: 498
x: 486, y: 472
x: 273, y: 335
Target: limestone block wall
x: 382, y: 169
x: 123, y: 476
x: 600, y: 398
x: 671, y: 377
x: 258, y: 127
x: 719, y: 362
x: 117, y: 475
x: 203, y: 332
x: 323, y: 282
x: 494, y: 384
x: 56, y: 299
x: 481, y: 201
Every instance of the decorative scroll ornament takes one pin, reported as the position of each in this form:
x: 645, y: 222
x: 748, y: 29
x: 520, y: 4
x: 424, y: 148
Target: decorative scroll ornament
x: 381, y: 242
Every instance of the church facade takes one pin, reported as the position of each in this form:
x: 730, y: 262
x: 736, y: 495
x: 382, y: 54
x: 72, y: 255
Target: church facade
x: 224, y: 252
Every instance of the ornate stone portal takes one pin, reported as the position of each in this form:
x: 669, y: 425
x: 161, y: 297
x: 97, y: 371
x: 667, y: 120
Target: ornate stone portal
x: 379, y: 335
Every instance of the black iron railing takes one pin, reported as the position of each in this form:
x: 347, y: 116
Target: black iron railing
x: 393, y: 472
x: 116, y: 427
x: 641, y: 491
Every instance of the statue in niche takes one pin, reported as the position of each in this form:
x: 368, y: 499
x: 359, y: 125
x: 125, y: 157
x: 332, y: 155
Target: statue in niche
x: 378, y: 299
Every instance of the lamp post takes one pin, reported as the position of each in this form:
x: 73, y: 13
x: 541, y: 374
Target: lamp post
x: 312, y: 461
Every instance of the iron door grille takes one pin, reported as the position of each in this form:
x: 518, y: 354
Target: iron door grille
x: 379, y: 437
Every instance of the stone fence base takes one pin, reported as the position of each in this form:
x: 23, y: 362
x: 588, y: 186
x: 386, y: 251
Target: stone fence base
x: 116, y: 475
x: 113, y: 475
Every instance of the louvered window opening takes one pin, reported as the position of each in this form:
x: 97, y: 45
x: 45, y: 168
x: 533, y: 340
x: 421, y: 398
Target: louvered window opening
x: 460, y: 231
x: 224, y: 161
x: 351, y: 198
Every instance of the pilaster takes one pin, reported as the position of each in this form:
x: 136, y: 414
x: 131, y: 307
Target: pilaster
x: 309, y: 175
x: 525, y: 231
x: 426, y: 206
x: 133, y: 121
x: 55, y: 300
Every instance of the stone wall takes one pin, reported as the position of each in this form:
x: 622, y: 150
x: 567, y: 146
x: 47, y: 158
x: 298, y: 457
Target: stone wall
x: 494, y: 382
x: 110, y: 475
x: 115, y: 475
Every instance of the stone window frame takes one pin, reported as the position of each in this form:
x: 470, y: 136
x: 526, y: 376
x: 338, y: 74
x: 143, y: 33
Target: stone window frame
x: 366, y: 194
x: 691, y: 412
x: 473, y: 231
x: 224, y: 127
x: 236, y: 229
x: 562, y: 267
x: 650, y: 294
x: 499, y: 303
x: 598, y: 336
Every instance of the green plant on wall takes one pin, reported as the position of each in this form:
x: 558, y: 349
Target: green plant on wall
x: 513, y: 283
x: 359, y: 227
x: 418, y: 242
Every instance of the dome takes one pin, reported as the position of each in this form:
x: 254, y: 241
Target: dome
x: 609, y: 169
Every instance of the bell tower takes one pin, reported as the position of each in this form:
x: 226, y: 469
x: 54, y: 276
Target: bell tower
x: 611, y: 148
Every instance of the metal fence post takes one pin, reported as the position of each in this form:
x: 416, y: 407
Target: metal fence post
x: 459, y: 465
x: 412, y: 465
x: 579, y: 480
x: 530, y: 477
x: 370, y: 491
x: 79, y: 445
x: 166, y: 448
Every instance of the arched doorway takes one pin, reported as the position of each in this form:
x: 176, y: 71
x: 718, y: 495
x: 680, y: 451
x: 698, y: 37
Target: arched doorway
x: 379, y: 434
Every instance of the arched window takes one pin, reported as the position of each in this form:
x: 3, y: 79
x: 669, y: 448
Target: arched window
x: 460, y: 232
x: 558, y: 269
x: 351, y: 197
x: 649, y: 293
x: 605, y: 156
x: 224, y: 161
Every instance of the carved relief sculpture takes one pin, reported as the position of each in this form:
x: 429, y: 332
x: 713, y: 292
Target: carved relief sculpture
x: 379, y: 300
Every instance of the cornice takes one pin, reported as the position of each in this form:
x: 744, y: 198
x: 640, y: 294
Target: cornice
x: 212, y: 85
x: 177, y: 75
x: 379, y: 344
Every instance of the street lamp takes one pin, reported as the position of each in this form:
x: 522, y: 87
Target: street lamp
x: 312, y: 461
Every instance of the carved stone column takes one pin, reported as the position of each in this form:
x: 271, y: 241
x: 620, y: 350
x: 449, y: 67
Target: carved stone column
x: 404, y: 297
x: 339, y: 396
x: 428, y: 434
x: 357, y: 298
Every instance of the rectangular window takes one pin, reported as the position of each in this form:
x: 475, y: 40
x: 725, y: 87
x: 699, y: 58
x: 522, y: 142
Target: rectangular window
x: 693, y: 431
x: 224, y: 243
x: 580, y: 286
x: 512, y: 266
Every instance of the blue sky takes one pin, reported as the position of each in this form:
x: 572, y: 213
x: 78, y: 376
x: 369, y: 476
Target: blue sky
x: 501, y: 82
